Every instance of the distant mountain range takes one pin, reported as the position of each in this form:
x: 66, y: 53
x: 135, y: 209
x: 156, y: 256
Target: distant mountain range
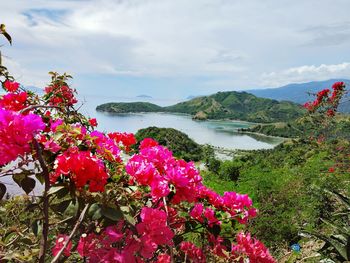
x: 300, y: 93
x: 221, y: 105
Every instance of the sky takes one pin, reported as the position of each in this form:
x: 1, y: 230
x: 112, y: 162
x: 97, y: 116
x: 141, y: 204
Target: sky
x: 176, y: 48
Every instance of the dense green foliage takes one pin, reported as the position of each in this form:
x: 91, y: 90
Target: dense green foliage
x: 221, y: 105
x: 286, y: 184
x: 178, y: 142
x: 239, y: 105
x: 304, y: 127
x: 126, y: 107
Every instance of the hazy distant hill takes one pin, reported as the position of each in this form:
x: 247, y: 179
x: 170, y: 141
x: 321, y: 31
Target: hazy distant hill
x: 299, y: 92
x: 221, y: 105
x: 144, y: 96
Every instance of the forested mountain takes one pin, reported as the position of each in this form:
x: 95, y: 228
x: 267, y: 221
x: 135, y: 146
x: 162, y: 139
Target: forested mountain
x: 221, y: 105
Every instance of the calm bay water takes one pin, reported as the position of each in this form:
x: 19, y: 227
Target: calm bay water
x: 217, y: 133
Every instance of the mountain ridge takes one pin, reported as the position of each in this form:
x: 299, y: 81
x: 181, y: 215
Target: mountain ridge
x: 301, y: 92
x: 221, y: 105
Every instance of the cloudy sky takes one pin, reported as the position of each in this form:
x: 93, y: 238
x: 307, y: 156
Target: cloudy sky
x: 177, y: 48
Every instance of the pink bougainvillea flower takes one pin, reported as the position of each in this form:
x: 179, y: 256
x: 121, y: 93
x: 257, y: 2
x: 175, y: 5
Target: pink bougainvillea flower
x: 11, y: 86
x: 153, y: 230
x: 163, y: 258
x: 197, y: 212
x: 252, y: 249
x: 194, y: 253
x: 16, y: 133
x: 106, y: 147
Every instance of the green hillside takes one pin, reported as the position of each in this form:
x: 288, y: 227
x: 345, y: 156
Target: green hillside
x: 221, y: 105
x: 240, y: 106
x: 304, y: 127
x: 178, y: 142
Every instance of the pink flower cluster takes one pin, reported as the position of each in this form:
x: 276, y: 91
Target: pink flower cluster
x: 252, y: 248
x: 194, y: 253
x: 153, y: 231
x: 81, y: 167
x: 106, y: 147
x: 16, y: 133
x: 201, y: 214
x: 156, y: 167
x: 117, y: 244
x: 238, y: 206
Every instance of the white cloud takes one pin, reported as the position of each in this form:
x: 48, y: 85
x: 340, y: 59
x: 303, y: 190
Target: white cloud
x: 232, y: 42
x: 306, y: 73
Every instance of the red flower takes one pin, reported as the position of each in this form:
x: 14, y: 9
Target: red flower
x: 148, y: 142
x: 14, y: 101
x: 330, y: 113
x: 82, y: 168
x: 93, y: 122
x: 126, y: 139
x: 331, y: 170
x: 60, y: 241
x: 11, y: 86
x: 60, y: 95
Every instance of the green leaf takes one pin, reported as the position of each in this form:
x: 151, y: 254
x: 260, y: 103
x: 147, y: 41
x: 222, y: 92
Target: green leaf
x: 61, y: 191
x: 28, y: 184
x: 61, y: 207
x: 2, y: 190
x: 40, y: 178
x: 36, y: 227
x: 215, y: 230
x: 338, y: 246
x: 130, y: 219
x: 18, y: 179
x: 95, y: 212
x: 112, y: 213
x: 9, y: 237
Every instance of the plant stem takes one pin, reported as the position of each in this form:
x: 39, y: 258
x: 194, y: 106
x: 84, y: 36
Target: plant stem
x: 31, y: 107
x: 43, y: 241
x: 80, y: 219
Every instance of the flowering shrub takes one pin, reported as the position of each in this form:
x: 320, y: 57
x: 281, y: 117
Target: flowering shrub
x: 150, y: 208
x: 326, y: 101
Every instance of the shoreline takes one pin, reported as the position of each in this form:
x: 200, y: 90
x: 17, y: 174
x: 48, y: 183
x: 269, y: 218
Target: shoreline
x: 239, y: 130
